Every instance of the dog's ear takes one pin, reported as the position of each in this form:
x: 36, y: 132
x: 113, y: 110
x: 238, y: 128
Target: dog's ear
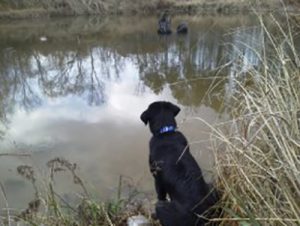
x: 145, y: 117
x: 175, y: 109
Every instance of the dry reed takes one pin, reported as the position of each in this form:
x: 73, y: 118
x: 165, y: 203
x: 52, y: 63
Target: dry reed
x: 258, y: 151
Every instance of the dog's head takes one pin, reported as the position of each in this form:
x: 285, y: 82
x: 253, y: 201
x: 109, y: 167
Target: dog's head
x: 160, y: 114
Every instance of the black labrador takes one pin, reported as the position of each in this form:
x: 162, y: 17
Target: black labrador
x: 175, y: 171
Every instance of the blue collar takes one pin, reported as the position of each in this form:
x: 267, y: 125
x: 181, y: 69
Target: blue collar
x: 167, y: 129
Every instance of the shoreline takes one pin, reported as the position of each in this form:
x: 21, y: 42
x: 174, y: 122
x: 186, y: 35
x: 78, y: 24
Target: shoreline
x: 189, y: 8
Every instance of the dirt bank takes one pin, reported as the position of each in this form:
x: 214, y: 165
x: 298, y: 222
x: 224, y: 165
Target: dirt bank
x: 19, y: 9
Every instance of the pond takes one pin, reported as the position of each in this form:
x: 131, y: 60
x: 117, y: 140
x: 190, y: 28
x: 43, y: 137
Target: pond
x: 75, y: 88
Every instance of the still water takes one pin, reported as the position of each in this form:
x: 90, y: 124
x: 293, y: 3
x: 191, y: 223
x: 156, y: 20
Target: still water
x: 75, y: 88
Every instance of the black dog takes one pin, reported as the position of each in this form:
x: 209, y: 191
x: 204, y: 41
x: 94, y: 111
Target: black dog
x: 176, y: 172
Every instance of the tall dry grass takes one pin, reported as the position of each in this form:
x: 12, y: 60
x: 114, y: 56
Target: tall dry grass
x: 48, y: 207
x: 39, y: 8
x: 258, y: 151
x: 81, y: 7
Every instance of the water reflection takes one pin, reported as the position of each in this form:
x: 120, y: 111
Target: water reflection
x: 79, y: 90
x: 82, y: 65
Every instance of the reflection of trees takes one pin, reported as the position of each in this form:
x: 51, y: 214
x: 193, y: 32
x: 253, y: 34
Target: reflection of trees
x: 70, y: 73
x: 244, y: 49
x: 81, y: 65
x: 16, y: 82
x: 182, y: 64
x: 27, y: 75
x: 185, y: 64
x: 188, y: 91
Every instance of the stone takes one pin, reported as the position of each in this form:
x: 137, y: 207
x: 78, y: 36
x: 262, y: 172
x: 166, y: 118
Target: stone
x: 138, y: 220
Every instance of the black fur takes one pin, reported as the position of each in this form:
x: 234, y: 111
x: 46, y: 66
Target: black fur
x: 175, y: 171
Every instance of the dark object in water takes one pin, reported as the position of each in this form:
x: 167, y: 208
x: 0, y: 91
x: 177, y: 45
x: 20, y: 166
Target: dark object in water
x: 182, y: 28
x: 164, y: 25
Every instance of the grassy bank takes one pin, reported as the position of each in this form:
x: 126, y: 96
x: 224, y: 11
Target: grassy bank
x: 48, y: 207
x: 258, y: 151
x: 17, y: 9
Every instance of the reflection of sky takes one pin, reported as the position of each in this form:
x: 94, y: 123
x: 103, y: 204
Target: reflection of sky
x: 118, y: 78
x: 123, y: 104
x: 120, y: 99
x: 106, y: 138
x: 90, y: 135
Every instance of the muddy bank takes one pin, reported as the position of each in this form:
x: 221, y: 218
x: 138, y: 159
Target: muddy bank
x: 11, y: 10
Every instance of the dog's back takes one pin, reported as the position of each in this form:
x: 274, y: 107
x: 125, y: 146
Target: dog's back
x: 179, y: 171
x: 176, y: 172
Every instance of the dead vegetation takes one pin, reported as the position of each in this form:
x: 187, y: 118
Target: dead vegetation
x: 49, y: 208
x: 17, y: 9
x: 258, y: 151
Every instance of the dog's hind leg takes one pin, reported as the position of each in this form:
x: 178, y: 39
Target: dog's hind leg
x: 169, y: 215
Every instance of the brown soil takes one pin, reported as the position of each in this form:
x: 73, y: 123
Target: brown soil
x: 106, y: 7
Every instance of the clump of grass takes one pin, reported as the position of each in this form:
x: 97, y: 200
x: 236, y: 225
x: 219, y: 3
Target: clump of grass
x: 59, y: 164
x: 258, y: 152
x: 49, y: 208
